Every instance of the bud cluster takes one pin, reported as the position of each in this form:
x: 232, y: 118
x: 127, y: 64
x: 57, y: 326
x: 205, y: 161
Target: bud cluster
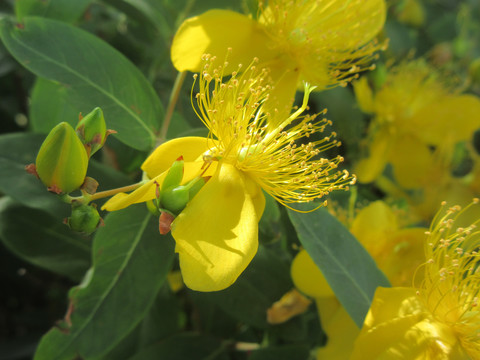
x: 62, y: 163
x: 172, y: 197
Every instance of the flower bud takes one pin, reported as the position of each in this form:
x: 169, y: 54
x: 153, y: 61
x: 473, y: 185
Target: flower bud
x: 196, y: 184
x: 175, y: 175
x: 85, y: 218
x: 174, y: 199
x: 62, y: 160
x: 92, y: 130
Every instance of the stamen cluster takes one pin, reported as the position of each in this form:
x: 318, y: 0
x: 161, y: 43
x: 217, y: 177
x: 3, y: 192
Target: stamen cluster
x: 283, y: 156
x: 451, y: 287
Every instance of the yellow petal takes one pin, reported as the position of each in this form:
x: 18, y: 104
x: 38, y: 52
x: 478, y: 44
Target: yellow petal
x: 412, y: 162
x: 160, y: 160
x: 370, y: 168
x: 364, y: 95
x: 286, y: 81
x: 398, y: 326
x: 341, y: 331
x: 308, y: 278
x: 213, y: 33
x: 373, y: 225
x: 327, y: 307
x: 362, y: 19
x: 403, y: 256
x: 217, y: 233
x: 448, y: 120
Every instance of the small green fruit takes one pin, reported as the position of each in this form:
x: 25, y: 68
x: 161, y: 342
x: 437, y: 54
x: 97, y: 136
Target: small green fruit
x: 85, y: 218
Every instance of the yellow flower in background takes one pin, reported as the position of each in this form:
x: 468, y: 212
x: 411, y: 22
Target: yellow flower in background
x: 216, y: 233
x: 325, y: 43
x: 440, y: 319
x: 415, y: 109
x: 398, y: 251
x: 419, y: 118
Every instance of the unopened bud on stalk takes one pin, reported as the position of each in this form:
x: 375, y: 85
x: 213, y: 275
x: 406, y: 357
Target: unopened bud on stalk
x: 85, y: 218
x: 92, y: 130
x: 62, y: 160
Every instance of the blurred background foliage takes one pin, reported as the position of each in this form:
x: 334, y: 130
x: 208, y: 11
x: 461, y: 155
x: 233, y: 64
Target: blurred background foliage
x: 179, y: 323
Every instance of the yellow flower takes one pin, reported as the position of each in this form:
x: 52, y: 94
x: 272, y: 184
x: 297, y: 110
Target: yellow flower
x: 440, y: 319
x: 324, y: 43
x: 413, y: 112
x: 216, y: 234
x: 398, y: 251
x: 419, y: 117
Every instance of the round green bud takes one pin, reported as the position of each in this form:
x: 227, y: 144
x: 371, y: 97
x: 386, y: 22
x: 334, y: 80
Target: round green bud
x: 85, y: 218
x: 92, y: 130
x: 174, y: 199
x: 62, y: 160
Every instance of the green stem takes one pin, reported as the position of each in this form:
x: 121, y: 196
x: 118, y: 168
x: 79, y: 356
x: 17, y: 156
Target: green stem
x: 172, y: 102
x: 107, y: 193
x: 86, y: 198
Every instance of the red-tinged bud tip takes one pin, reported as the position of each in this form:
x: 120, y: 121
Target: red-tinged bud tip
x: 180, y: 158
x: 164, y: 222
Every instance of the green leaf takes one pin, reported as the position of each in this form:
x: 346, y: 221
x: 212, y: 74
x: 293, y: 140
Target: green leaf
x: 264, y: 281
x: 287, y: 352
x: 50, y: 104
x: 64, y: 10
x: 16, y: 151
x: 94, y: 72
x: 130, y: 264
x: 152, y: 10
x: 42, y: 240
x: 184, y: 346
x: 347, y: 266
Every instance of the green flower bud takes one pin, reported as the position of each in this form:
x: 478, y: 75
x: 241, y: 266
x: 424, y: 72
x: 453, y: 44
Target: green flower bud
x: 62, y: 160
x: 174, y: 199
x: 195, y: 185
x: 85, y: 218
x: 92, y: 130
x: 175, y: 175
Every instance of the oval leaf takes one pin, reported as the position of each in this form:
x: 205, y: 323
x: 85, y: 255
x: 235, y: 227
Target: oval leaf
x: 42, y: 240
x: 97, y: 74
x: 64, y: 10
x: 50, y: 104
x: 347, y: 266
x: 130, y: 263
